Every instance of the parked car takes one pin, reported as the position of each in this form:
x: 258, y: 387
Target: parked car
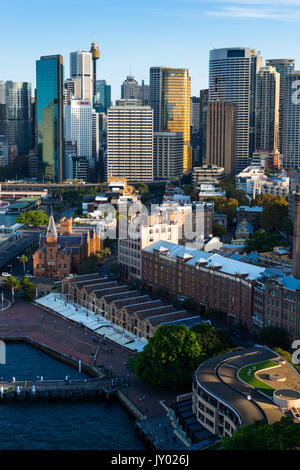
x: 4, y: 274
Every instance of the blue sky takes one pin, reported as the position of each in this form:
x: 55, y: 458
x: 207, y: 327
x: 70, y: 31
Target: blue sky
x: 142, y: 33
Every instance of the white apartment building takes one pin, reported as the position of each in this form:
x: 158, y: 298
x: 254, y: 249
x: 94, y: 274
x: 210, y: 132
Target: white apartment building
x: 81, y: 68
x: 154, y: 228
x: 130, y: 141
x: 253, y: 181
x: 78, y: 127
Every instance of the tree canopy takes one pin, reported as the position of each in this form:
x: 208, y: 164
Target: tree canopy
x: 273, y: 214
x: 263, y: 241
x: 174, y: 353
x: 219, y: 230
x: 35, y: 218
x: 170, y: 357
x: 282, y: 435
x: 273, y: 336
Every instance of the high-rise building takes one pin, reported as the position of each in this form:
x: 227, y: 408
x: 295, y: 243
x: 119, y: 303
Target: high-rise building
x: 167, y: 155
x: 130, y: 89
x: 95, y: 136
x: 170, y: 98
x: 2, y: 92
x: 291, y: 119
x: 204, y: 94
x: 78, y: 127
x: 81, y: 68
x: 102, y: 100
x: 284, y: 67
x: 195, y: 113
x: 231, y: 78
x: 18, y: 115
x: 3, y: 151
x: 267, y: 109
x: 130, y: 141
x: 50, y: 98
x: 221, y: 135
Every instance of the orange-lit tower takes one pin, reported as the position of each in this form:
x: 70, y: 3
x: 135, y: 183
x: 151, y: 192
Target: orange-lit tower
x: 95, y: 56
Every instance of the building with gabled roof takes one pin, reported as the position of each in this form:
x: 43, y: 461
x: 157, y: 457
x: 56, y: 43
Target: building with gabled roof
x: 64, y: 248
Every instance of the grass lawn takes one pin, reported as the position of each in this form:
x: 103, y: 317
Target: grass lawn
x: 253, y: 381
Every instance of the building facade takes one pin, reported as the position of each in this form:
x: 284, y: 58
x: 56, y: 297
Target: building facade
x: 62, y: 250
x: 267, y: 109
x: 50, y: 115
x: 130, y: 141
x: 81, y: 70
x: 167, y: 155
x: 170, y: 98
x: 221, y: 135
x: 232, y: 77
x: 284, y: 67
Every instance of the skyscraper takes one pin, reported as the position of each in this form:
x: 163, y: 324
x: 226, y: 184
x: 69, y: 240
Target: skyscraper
x: 170, y: 98
x: 291, y: 119
x: 102, y: 100
x: 221, y: 135
x: 204, y: 94
x: 130, y: 141
x: 130, y: 89
x: 18, y: 115
x: 78, y: 127
x: 82, y: 70
x: 167, y: 154
x: 232, y: 72
x: 50, y: 98
x: 267, y: 109
x: 284, y: 67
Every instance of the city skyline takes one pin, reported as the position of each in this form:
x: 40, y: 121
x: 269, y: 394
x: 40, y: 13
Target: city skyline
x: 221, y: 23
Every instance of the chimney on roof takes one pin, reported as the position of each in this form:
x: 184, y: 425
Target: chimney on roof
x: 296, y: 244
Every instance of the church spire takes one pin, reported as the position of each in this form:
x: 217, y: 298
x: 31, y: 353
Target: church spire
x: 51, y: 231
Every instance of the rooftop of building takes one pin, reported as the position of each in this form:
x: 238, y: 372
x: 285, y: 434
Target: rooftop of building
x: 250, y: 209
x: 219, y: 377
x: 193, y: 257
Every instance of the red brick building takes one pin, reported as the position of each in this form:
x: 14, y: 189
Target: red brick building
x: 64, y: 248
x: 211, y: 280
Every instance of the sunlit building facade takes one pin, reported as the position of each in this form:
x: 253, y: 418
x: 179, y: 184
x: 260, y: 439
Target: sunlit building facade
x: 170, y: 98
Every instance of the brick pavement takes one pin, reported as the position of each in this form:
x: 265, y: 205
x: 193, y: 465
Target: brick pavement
x: 25, y: 319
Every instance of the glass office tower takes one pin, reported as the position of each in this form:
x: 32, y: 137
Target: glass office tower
x: 18, y: 115
x: 103, y: 97
x: 170, y: 98
x: 50, y: 94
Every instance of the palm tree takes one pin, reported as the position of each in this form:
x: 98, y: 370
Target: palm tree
x: 23, y: 259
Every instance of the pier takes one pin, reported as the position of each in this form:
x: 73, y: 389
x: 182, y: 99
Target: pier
x: 96, y: 388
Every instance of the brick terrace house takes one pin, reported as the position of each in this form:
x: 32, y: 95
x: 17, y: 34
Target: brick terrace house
x: 126, y: 307
x: 63, y: 249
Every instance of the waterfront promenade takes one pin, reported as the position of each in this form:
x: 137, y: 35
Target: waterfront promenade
x: 24, y: 319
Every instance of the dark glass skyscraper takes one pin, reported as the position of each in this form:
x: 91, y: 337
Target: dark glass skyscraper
x: 49, y: 106
x: 18, y: 115
x: 103, y: 97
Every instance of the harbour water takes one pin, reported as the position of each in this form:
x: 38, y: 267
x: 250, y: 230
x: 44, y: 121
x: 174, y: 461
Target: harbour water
x: 8, y: 219
x: 59, y: 425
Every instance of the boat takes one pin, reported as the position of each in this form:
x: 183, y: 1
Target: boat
x: 4, y: 207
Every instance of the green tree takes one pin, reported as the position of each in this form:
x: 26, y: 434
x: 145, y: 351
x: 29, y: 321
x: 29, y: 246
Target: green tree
x: 29, y: 288
x: 24, y: 260
x: 263, y: 241
x: 170, y: 357
x: 273, y: 214
x: 88, y: 266
x: 188, y: 189
x: 36, y: 218
x: 219, y: 230
x: 281, y: 435
x: 213, y: 341
x: 273, y: 336
x: 10, y: 283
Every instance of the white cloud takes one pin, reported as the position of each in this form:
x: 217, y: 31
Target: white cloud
x: 264, y: 13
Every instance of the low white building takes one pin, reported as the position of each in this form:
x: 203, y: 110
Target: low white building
x: 253, y: 181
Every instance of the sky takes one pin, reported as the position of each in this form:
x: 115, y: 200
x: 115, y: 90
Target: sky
x: 138, y: 34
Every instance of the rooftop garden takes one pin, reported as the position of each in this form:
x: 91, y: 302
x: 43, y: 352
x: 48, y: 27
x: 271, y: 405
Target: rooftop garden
x: 247, y: 374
